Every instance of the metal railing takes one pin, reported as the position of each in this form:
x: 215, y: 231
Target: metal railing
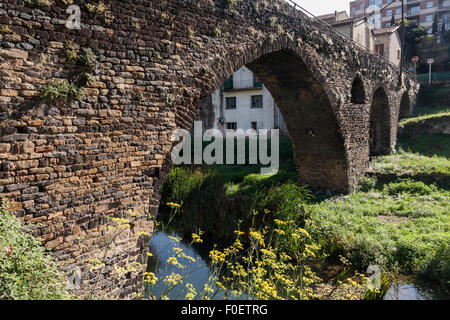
x: 330, y: 27
x: 435, y: 77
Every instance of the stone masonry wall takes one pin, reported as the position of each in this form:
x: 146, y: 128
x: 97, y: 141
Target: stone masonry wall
x: 71, y: 166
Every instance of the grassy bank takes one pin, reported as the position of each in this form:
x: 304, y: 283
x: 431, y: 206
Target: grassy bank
x: 399, y: 219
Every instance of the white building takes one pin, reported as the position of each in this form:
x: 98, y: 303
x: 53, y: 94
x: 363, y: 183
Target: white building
x: 244, y: 102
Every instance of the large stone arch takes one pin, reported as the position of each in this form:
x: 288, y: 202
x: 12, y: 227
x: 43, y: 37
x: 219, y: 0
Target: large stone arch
x: 318, y: 143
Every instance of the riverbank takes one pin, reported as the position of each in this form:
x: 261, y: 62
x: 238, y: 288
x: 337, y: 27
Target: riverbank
x: 399, y: 218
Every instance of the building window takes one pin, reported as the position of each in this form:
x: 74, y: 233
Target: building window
x: 257, y: 101
x: 388, y: 13
x: 378, y: 3
x: 414, y: 10
x: 379, y: 48
x: 256, y: 82
x: 230, y: 102
x: 388, y: 25
x: 361, y: 6
x: 228, y: 84
x: 255, y: 126
x: 231, y: 125
x: 430, y: 4
x: 429, y: 19
x: 398, y: 11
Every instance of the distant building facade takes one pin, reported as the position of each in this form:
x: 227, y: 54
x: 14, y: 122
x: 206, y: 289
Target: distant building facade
x: 243, y: 102
x: 387, y: 43
x: 357, y: 29
x: 423, y: 11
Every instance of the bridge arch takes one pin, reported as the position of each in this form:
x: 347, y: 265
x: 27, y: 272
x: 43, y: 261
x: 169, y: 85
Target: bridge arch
x: 305, y: 103
x: 358, y: 92
x: 380, y: 119
x: 405, y: 108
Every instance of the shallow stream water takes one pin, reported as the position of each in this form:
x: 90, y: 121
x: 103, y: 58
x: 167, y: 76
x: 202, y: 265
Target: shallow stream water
x: 198, y: 274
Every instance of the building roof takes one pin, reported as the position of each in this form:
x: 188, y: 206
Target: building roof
x: 337, y: 16
x: 346, y: 21
x: 378, y: 32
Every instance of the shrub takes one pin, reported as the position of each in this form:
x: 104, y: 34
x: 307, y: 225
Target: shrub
x: 229, y: 4
x: 367, y: 184
x: 101, y: 9
x: 27, y: 270
x: 87, y: 58
x: 410, y: 187
x: 62, y: 91
x: 438, y: 266
x: 71, y: 52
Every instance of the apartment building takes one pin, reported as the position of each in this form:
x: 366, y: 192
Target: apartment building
x: 423, y: 11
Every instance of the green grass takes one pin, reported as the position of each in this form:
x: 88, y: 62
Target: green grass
x: 400, y: 226
x: 428, y: 111
x: 411, y: 164
x: 426, y: 144
x: 437, y: 114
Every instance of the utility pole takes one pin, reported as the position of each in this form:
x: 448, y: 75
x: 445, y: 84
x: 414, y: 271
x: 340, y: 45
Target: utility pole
x: 403, y: 42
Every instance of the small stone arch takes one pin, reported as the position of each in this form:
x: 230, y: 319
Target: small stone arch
x: 358, y: 93
x: 380, y: 128
x: 405, y: 108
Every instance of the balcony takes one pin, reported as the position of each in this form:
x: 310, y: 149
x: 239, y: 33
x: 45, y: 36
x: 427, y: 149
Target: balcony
x: 413, y: 12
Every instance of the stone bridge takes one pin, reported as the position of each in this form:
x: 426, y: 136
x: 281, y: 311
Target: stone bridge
x: 69, y: 162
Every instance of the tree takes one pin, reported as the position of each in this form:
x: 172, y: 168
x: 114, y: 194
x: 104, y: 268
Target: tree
x: 414, y: 34
x: 393, y: 21
x: 435, y: 24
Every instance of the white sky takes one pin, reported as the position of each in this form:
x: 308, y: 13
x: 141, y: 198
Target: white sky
x: 318, y: 7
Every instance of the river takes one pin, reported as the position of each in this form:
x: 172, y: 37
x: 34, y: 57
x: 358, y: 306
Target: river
x: 199, y: 274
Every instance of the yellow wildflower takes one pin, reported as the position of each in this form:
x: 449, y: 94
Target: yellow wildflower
x: 196, y: 238
x: 173, y: 205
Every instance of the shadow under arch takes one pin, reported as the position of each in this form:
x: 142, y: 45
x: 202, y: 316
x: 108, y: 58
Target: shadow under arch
x: 358, y: 93
x: 405, y: 108
x: 380, y: 129
x: 318, y: 145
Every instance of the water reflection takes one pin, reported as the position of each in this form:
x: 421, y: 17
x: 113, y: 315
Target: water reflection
x: 406, y: 290
x: 197, y: 273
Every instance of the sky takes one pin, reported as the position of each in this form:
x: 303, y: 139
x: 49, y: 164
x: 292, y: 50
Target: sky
x: 318, y: 7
